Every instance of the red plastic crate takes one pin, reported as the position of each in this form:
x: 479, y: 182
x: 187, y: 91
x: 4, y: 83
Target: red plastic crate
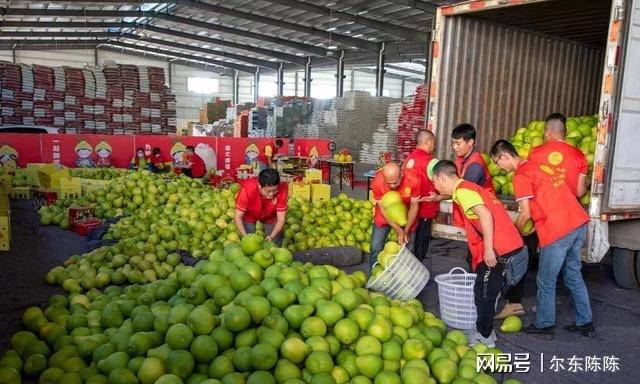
x: 83, y: 227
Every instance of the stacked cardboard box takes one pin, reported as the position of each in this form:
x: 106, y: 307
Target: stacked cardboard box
x: 350, y: 121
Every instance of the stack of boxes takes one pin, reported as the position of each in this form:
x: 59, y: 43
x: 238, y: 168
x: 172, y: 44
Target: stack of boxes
x: 411, y: 120
x: 311, y: 188
x: 349, y: 120
x: 114, y: 99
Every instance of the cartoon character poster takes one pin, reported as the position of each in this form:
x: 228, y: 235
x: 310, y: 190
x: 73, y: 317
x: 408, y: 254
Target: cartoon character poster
x: 251, y: 155
x: 84, y: 152
x: 313, y: 157
x: 178, y: 153
x: 8, y: 159
x: 103, y: 150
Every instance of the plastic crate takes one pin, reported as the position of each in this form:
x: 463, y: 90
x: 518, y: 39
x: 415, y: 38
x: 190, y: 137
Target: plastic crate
x: 50, y: 174
x: 20, y: 193
x: 32, y: 174
x: 78, y: 214
x: 69, y: 192
x: 5, y: 231
x: 83, y: 228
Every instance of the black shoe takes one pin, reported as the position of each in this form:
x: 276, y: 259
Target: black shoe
x: 533, y: 330
x: 587, y: 330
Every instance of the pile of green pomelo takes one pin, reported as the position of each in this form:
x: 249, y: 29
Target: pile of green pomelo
x: 246, y: 312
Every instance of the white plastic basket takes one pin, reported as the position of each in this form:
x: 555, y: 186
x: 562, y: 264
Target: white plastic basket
x: 403, y: 279
x: 457, y: 304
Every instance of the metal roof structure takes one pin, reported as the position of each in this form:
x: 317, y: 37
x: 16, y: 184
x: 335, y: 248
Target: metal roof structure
x: 241, y: 35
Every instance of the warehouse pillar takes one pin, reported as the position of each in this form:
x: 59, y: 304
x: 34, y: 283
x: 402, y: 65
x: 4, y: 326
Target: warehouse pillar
x: 95, y: 57
x: 236, y: 87
x: 170, y: 73
x: 307, y: 78
x: 13, y: 55
x: 402, y: 85
x: 340, y: 75
x: 256, y: 81
x: 280, y: 80
x: 380, y: 71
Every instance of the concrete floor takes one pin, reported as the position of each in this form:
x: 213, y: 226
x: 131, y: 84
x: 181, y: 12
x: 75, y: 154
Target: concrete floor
x: 36, y: 249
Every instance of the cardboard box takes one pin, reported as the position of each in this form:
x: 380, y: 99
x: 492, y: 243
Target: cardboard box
x: 320, y: 192
x: 302, y: 191
x: 314, y: 176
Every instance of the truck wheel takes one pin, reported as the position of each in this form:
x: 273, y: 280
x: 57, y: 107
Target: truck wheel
x: 624, y: 268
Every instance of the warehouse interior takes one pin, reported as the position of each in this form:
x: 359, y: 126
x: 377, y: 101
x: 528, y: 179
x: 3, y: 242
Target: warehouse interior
x: 236, y: 42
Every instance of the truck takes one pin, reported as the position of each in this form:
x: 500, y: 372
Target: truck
x: 499, y: 64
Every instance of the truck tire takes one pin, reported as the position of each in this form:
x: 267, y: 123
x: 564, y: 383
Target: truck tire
x: 624, y: 268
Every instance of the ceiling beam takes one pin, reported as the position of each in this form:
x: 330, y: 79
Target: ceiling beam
x: 166, y: 52
x: 311, y: 49
x: 405, y: 70
x: 203, y: 67
x: 51, y: 44
x: 387, y: 74
x: 343, y: 39
x: 99, y: 24
x: 131, y: 36
x: 392, y: 29
x: 417, y: 4
x: 187, y: 47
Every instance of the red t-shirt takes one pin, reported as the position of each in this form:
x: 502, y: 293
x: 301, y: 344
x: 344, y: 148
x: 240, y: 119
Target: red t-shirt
x: 418, y: 160
x: 506, y: 237
x: 198, y: 168
x: 462, y: 164
x: 566, y: 161
x: 554, y: 208
x: 258, y: 208
x: 409, y: 188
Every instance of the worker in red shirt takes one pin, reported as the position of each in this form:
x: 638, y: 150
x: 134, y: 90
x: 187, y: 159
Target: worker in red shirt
x: 419, y: 160
x: 270, y: 150
x: 391, y: 178
x: 195, y: 166
x: 469, y: 162
x: 156, y: 163
x: 565, y: 160
x: 492, y: 239
x: 560, y: 222
x: 262, y: 199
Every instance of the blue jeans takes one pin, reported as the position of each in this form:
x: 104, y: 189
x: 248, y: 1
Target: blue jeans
x: 251, y: 228
x: 562, y: 256
x: 378, y: 239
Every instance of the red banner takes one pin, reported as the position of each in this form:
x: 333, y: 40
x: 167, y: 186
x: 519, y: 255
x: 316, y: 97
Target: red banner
x: 93, y: 150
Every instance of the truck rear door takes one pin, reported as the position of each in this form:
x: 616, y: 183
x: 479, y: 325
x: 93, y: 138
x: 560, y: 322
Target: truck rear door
x: 623, y: 187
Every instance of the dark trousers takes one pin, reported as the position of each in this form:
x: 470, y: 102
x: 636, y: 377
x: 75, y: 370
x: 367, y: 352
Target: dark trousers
x: 515, y: 293
x: 486, y: 289
x: 422, y: 239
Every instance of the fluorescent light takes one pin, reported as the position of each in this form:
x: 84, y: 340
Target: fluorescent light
x: 331, y: 29
x: 332, y: 47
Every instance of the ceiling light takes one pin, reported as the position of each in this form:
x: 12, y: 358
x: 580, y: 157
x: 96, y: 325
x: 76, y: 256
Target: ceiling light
x: 331, y: 29
x: 332, y: 47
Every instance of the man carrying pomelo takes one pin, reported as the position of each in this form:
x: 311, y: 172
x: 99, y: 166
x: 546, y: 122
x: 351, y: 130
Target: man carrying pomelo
x: 262, y: 199
x: 407, y: 184
x: 560, y: 221
x: 419, y: 160
x: 492, y: 238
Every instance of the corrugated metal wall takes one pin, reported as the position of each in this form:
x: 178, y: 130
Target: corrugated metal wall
x: 498, y: 79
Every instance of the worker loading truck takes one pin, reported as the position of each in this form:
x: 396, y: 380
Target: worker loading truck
x: 502, y: 66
